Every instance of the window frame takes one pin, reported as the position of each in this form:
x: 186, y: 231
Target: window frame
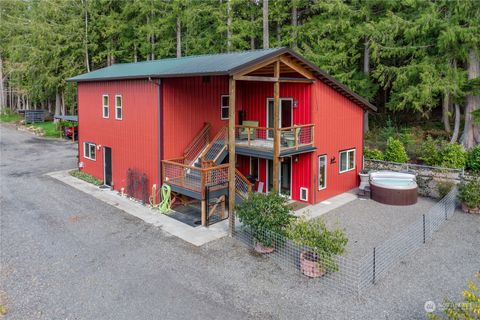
x: 224, y: 107
x: 326, y: 171
x: 347, y: 152
x: 89, y: 156
x: 252, y: 159
x: 105, y: 106
x: 119, y: 107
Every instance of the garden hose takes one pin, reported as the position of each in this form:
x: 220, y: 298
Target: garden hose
x: 164, y: 205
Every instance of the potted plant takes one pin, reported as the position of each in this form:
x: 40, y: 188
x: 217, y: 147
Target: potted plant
x: 364, y: 179
x: 320, y: 245
x: 267, y: 216
x: 469, y: 195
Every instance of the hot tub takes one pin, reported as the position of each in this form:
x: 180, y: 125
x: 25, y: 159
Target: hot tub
x: 394, y: 188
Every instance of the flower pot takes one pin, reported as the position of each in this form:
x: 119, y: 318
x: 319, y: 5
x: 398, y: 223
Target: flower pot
x: 310, y: 266
x: 467, y: 209
x: 263, y: 249
x: 364, y: 180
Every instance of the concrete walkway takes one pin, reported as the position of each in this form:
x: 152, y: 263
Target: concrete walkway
x: 319, y: 209
x: 197, y: 236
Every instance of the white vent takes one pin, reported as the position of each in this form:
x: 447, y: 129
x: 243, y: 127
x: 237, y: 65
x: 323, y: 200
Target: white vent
x: 304, y: 194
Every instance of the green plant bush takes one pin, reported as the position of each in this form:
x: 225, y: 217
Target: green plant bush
x: 469, y: 193
x: 395, y: 151
x: 86, y: 177
x: 429, y: 152
x: 444, y: 187
x: 452, y: 155
x: 373, y: 154
x: 267, y: 215
x: 322, y: 242
x: 473, y: 159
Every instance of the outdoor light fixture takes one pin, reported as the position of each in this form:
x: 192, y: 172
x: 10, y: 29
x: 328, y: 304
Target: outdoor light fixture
x: 333, y: 160
x: 295, y: 159
x: 295, y: 103
x: 99, y: 146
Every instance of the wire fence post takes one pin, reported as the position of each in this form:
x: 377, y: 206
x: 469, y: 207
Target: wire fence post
x: 445, y: 209
x: 423, y: 228
x: 374, y: 266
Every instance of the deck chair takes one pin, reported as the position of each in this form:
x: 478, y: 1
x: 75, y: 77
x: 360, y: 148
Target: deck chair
x: 243, y: 132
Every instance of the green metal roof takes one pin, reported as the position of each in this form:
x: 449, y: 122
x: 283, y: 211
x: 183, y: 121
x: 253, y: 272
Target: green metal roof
x: 209, y: 64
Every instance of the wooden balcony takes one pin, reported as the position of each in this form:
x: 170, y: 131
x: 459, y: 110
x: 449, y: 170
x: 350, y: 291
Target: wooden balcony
x: 258, y: 141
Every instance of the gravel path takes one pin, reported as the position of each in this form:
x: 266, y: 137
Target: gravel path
x: 66, y: 255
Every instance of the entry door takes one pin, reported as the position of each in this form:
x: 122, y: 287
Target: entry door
x: 107, y: 166
x: 285, y: 176
x: 286, y: 114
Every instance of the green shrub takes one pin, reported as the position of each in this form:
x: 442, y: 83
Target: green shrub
x: 473, y: 159
x: 8, y: 115
x: 429, y: 152
x: 444, y: 187
x: 86, y: 177
x: 469, y: 309
x: 452, y: 155
x: 265, y: 212
x: 373, y: 154
x: 395, y: 151
x: 324, y: 244
x: 469, y: 193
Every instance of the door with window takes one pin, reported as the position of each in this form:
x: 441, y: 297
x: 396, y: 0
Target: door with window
x: 286, y: 114
x: 285, y: 179
x: 107, y: 166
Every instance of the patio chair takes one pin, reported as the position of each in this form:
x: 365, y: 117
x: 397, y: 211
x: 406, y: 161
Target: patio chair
x: 243, y: 132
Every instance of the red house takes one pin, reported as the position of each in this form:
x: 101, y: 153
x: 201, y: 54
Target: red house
x: 204, y: 121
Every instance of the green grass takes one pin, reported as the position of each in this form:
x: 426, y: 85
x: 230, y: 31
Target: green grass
x: 9, y: 117
x: 86, y: 177
x: 48, y: 127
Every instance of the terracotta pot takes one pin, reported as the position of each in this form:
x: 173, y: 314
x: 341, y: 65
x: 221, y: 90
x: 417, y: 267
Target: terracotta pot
x: 467, y: 209
x: 261, y: 248
x: 309, y: 265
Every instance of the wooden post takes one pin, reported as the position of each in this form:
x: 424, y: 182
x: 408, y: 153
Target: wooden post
x: 231, y: 156
x: 276, y: 133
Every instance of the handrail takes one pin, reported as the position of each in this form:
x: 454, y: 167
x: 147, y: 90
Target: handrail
x: 195, y: 168
x: 224, y: 130
x: 206, y: 127
x: 296, y: 126
x: 244, y: 179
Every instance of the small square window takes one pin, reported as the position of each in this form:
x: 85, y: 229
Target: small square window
x: 89, y: 150
x: 347, y: 160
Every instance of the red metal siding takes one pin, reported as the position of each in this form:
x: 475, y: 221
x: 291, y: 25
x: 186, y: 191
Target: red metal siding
x: 133, y: 139
x: 188, y: 104
x: 338, y: 126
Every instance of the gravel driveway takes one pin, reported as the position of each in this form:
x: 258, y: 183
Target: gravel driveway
x: 66, y: 255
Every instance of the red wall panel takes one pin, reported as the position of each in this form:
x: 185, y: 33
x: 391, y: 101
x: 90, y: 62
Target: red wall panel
x: 339, y: 126
x: 188, y: 104
x: 133, y: 139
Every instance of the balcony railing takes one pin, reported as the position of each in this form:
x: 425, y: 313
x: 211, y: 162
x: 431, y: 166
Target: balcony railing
x: 291, y: 138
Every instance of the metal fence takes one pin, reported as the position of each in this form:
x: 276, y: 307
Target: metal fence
x: 349, y: 274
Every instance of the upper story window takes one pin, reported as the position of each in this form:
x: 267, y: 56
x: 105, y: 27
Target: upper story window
x: 105, y: 109
x: 225, y: 104
x: 89, y: 150
x: 347, y: 160
x: 118, y: 107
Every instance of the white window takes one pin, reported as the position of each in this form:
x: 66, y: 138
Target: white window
x: 89, y: 150
x: 118, y: 107
x: 347, y: 160
x: 105, y: 109
x: 225, y: 104
x: 322, y: 172
x: 304, y: 194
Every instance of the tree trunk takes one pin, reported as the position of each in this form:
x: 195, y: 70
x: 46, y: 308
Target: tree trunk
x: 456, y: 126
x: 445, y: 112
x: 135, y: 55
x: 63, y: 103
x: 265, y: 25
x: 294, y: 24
x: 179, y: 37
x: 471, y: 131
x: 252, y: 35
x: 58, y: 103
x: 49, y: 105
x: 366, y: 71
x: 2, y: 87
x: 87, y: 59
x: 229, y: 25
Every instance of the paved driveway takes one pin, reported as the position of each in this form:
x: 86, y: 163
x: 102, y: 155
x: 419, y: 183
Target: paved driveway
x: 66, y: 255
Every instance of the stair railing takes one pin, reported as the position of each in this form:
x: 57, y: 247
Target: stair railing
x: 215, y: 148
x: 198, y: 144
x: 242, y: 186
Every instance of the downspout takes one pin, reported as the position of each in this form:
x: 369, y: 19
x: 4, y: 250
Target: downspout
x: 159, y: 128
